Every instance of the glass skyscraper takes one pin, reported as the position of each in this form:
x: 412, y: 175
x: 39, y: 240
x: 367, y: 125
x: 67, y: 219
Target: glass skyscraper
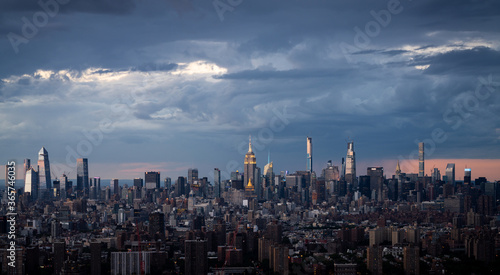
x: 44, y: 180
x: 82, y: 176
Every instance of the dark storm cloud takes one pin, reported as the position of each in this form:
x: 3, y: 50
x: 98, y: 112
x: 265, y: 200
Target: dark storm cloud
x: 181, y: 75
x: 86, y: 6
x: 475, y: 61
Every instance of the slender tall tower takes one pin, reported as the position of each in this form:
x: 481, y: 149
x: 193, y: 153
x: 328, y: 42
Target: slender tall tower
x: 421, y: 159
x: 82, y: 176
x: 44, y: 182
x: 398, y: 169
x: 249, y: 165
x: 217, y: 189
x: 309, y: 164
x: 350, y: 165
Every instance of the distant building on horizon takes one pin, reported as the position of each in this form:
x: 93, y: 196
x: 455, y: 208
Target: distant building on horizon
x: 217, y: 187
x: 450, y: 173
x: 467, y: 176
x: 82, y: 176
x: 152, y: 180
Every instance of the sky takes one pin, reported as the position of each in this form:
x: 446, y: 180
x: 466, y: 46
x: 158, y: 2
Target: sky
x: 149, y: 85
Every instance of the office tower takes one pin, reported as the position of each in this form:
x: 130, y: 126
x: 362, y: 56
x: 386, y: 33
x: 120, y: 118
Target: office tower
x: 27, y: 165
x: 180, y: 186
x: 95, y: 258
x: 376, y: 175
x: 258, y: 183
x: 138, y: 182
x: 196, y: 262
x: 44, y: 181
x: 364, y: 186
x: 95, y: 188
x: 152, y: 180
x: 309, y: 164
x: 192, y: 175
x: 436, y: 175
x: 157, y: 225
x: 65, y: 187
x: 250, y: 164
x: 467, y: 176
x: 82, y: 176
x: 116, y: 187
x: 217, y: 187
x: 59, y: 256
x: 31, y: 183
x: 350, y: 165
x: 450, y: 173
x: 421, y: 159
x: 168, y: 183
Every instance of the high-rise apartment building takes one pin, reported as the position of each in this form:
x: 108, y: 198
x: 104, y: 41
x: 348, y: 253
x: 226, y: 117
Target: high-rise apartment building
x: 196, y: 261
x: 421, y: 169
x: 309, y: 164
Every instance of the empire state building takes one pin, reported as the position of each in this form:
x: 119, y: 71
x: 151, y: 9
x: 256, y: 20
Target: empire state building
x: 249, y: 176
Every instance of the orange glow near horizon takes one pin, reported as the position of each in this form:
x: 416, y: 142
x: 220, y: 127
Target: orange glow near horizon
x: 489, y: 168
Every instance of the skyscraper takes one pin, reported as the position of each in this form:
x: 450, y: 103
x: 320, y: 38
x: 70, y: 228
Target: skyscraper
x: 138, y: 182
x: 31, y: 183
x: 217, y: 188
x: 467, y: 176
x: 82, y: 176
x: 450, y: 173
x: 152, y: 180
x: 116, y: 187
x: 309, y: 164
x: 44, y: 182
x: 350, y: 166
x: 192, y: 175
x: 27, y: 165
x: 249, y: 166
x: 421, y: 159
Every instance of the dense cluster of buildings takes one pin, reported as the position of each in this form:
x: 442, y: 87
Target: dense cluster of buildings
x: 255, y: 222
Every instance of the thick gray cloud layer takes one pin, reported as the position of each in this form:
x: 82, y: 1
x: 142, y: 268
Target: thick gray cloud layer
x: 185, y: 81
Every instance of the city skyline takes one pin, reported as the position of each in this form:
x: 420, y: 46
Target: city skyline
x: 130, y: 171
x: 190, y: 95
